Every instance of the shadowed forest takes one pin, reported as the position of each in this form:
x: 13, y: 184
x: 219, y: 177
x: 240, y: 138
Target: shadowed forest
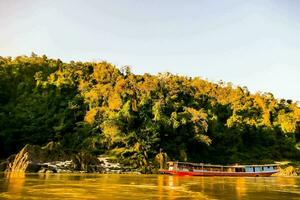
x: 98, y: 108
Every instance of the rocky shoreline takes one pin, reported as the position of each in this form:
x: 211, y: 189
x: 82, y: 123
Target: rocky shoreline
x: 53, y: 159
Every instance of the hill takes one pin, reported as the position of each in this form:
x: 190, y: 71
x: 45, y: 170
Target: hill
x: 101, y: 109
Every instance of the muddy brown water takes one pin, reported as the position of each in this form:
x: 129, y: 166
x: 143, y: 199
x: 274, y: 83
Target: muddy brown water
x: 136, y: 187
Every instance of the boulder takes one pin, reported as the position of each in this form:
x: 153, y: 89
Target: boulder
x: 51, y: 159
x: 33, y: 167
x: 32, y: 157
x: 42, y: 170
x: 86, y: 162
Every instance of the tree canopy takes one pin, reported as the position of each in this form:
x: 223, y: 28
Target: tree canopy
x: 99, y: 108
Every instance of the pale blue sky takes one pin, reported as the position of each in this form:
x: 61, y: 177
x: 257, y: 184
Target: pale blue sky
x: 249, y: 43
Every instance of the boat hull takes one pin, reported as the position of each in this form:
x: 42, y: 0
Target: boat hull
x: 216, y: 173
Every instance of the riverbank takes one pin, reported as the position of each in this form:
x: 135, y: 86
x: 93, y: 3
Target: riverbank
x: 52, y: 158
x: 288, y: 168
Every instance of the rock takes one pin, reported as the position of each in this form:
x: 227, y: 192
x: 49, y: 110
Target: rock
x: 52, y: 158
x: 52, y: 168
x: 86, y: 162
x: 33, y: 167
x: 42, y: 170
x: 109, y: 166
x: 49, y: 171
x: 31, y: 157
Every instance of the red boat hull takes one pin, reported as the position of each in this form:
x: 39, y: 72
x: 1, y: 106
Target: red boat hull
x: 216, y: 173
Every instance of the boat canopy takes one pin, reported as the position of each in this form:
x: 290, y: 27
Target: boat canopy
x: 211, y: 165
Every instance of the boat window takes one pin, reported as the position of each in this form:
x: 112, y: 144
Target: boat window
x: 239, y: 169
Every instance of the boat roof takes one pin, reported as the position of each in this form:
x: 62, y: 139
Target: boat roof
x: 211, y: 165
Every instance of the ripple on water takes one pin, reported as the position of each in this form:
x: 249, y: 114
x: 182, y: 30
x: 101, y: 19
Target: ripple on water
x: 146, y: 187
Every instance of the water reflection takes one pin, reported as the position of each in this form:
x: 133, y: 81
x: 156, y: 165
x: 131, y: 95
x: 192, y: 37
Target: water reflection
x: 171, y: 184
x: 135, y: 187
x: 240, y: 187
x: 166, y: 186
x: 15, y: 182
x: 286, y: 181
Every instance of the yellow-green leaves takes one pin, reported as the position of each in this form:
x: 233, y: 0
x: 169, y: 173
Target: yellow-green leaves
x: 115, y: 102
x: 100, y: 108
x: 90, y: 115
x: 157, y: 111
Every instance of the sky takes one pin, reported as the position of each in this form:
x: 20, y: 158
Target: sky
x: 254, y: 43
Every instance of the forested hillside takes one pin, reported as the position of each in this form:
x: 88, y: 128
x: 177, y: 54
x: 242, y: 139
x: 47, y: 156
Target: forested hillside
x: 101, y: 109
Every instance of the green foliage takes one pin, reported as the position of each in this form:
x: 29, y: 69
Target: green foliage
x: 96, y: 107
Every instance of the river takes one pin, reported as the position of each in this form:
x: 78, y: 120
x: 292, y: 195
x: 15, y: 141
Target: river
x: 137, y: 187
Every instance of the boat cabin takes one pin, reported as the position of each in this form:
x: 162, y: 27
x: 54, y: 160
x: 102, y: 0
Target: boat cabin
x: 200, y: 167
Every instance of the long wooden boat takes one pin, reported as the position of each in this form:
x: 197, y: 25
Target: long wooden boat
x: 201, y: 169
